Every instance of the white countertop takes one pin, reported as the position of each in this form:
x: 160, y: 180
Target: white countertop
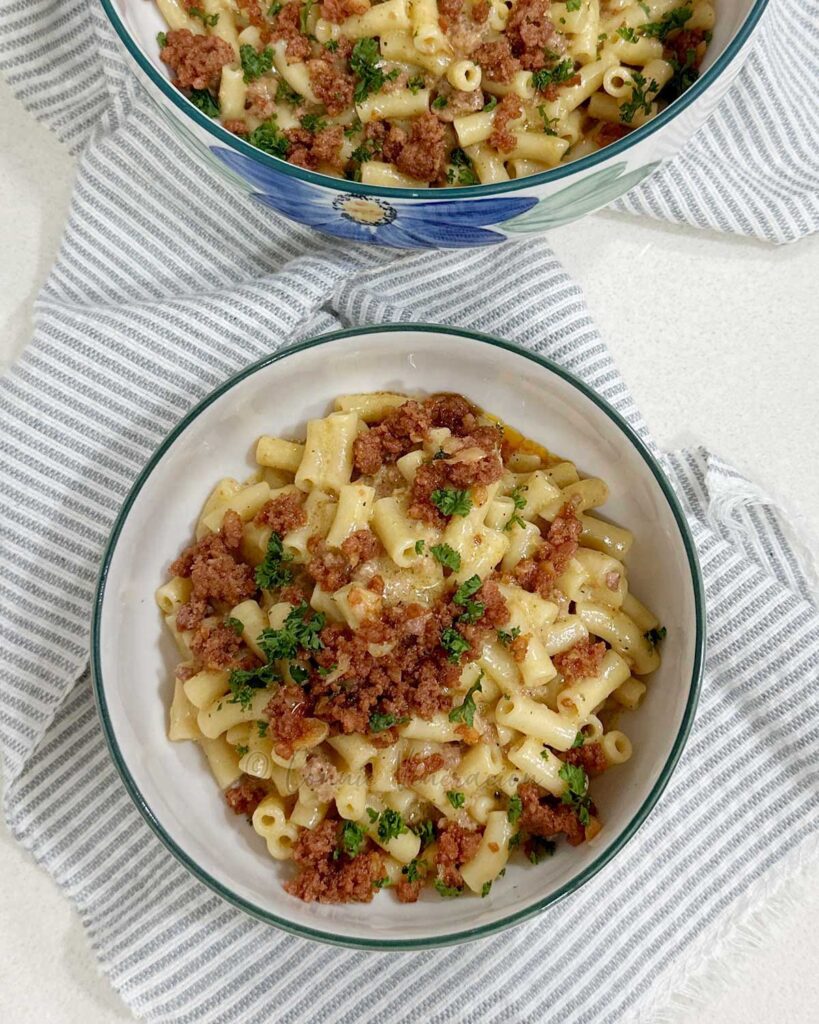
x: 716, y: 337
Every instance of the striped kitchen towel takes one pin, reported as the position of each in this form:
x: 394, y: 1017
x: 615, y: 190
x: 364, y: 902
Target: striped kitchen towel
x: 156, y: 297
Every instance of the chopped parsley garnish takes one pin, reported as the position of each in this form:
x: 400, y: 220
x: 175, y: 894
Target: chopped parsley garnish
x: 235, y: 624
x: 485, y: 889
x: 255, y: 64
x: 241, y: 750
x: 419, y: 547
x: 274, y: 9
x: 203, y: 101
x: 271, y: 572
x: 416, y: 84
x: 365, y: 63
x: 325, y: 671
x: 573, y: 5
x: 517, y: 497
x: 352, y: 839
x: 548, y: 129
x: 668, y: 23
x: 465, y: 712
x: 412, y: 871
x: 284, y: 94
x: 353, y: 129
x: 449, y: 892
x: 455, y: 798
x: 207, y: 19
x: 313, y: 123
x: 454, y: 644
x: 390, y: 825
x: 627, y: 32
x: 381, y: 883
x: 461, y: 171
x: 378, y: 722
x: 514, y: 810
x: 490, y: 104
x: 304, y: 14
x: 372, y: 814
x: 298, y: 633
x: 447, y: 556
x: 514, y: 842
x: 644, y: 7
x: 425, y: 832
x: 545, y: 77
x: 578, y: 741
x: 685, y: 74
x: 577, y: 790
x: 299, y: 674
x: 451, y: 502
x: 262, y: 728
x: 331, y: 45
x: 162, y: 39
x: 268, y: 138
x: 439, y: 103
x: 243, y: 683
x: 507, y: 638
x: 642, y: 95
x: 473, y: 610
x: 654, y: 636
x: 540, y: 848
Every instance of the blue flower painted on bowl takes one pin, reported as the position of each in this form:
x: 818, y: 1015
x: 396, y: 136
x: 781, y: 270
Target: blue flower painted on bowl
x: 452, y: 224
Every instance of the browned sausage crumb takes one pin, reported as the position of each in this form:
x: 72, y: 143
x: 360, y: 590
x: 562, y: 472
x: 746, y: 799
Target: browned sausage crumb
x: 543, y: 815
x: 339, y: 10
x: 502, y: 137
x: 283, y: 513
x: 326, y: 878
x: 581, y: 661
x: 497, y: 60
x: 196, y: 61
x: 217, y: 647
x: 244, y: 796
x: 286, y: 712
x: 456, y: 846
x: 418, y: 767
x: 424, y: 154
x: 333, y: 87
x: 539, y: 573
x: 531, y: 33
x: 589, y: 757
x: 287, y: 26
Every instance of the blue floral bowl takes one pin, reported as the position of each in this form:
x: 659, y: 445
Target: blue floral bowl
x: 455, y: 217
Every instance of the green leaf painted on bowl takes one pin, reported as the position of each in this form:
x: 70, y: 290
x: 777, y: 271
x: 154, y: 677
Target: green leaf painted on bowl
x: 575, y: 201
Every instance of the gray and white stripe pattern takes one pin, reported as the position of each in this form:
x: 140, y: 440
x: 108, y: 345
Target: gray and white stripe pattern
x: 153, y: 301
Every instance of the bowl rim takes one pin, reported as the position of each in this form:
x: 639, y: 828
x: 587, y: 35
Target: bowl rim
x: 472, y: 191
x: 578, y: 880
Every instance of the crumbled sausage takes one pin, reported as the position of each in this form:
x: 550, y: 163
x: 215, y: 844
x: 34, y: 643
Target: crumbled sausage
x: 215, y: 573
x: 687, y: 47
x: 480, y: 11
x: 196, y: 61
x: 311, y: 149
x: 544, y: 816
x: 452, y: 412
x: 423, y: 156
x: 482, y: 466
x: 456, y: 846
x: 231, y: 529
x: 497, y: 60
x: 581, y: 661
x: 400, y: 430
x: 283, y: 513
x: 502, y: 137
x: 245, y: 795
x: 589, y: 757
x: 458, y: 102
x: 539, y: 573
x: 333, y: 87
x: 286, y: 712
x: 339, y: 10
x: 329, y: 875
x: 532, y: 34
x: 216, y: 647
x: 253, y: 9
x: 519, y: 646
x: 418, y: 767
x: 287, y: 26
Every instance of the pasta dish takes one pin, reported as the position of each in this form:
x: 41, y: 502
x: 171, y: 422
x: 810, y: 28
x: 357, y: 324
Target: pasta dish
x: 419, y: 93
x: 405, y: 642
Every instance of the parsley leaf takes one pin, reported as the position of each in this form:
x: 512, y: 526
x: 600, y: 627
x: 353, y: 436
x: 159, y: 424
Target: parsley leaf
x: 207, y: 19
x: 415, y: 870
x: 577, y: 790
x: 390, y: 825
x: 578, y: 741
x: 352, y: 839
x: 491, y: 104
x: 241, y: 750
x: 642, y: 96
x: 447, y: 556
x: 507, y: 638
x: 473, y: 610
x: 573, y: 5
x: 203, y: 100
x: 262, y: 728
x: 557, y: 75
x: 465, y: 712
x: 255, y: 64
x: 540, y: 848
x: 485, y: 889
x: 267, y: 137
x: 455, y: 798
x: 313, y: 123
x: 419, y: 547
x: 243, y: 682
x: 461, y: 171
x: 518, y: 500
x: 654, y: 636
x: 627, y: 32
x: 162, y: 40
x: 449, y: 892
x: 299, y: 673
x: 381, y: 883
x: 416, y: 84
x: 451, y: 502
x: 439, y: 103
x: 284, y: 94
x: 274, y: 9
x: 304, y: 14
x: 234, y: 624
x: 669, y: 23
x: 378, y: 722
x: 425, y: 832
x: 297, y: 633
x: 372, y: 814
x: 514, y: 810
x: 454, y: 643
x: 271, y: 571
x: 365, y: 63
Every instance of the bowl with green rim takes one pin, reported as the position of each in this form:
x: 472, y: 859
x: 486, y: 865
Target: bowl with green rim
x: 133, y: 659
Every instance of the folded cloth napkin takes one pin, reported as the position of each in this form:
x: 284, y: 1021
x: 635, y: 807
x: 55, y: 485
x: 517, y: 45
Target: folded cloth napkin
x: 158, y: 295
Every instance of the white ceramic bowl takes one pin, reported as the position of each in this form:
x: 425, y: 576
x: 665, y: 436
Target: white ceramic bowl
x: 133, y: 659
x: 449, y: 217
